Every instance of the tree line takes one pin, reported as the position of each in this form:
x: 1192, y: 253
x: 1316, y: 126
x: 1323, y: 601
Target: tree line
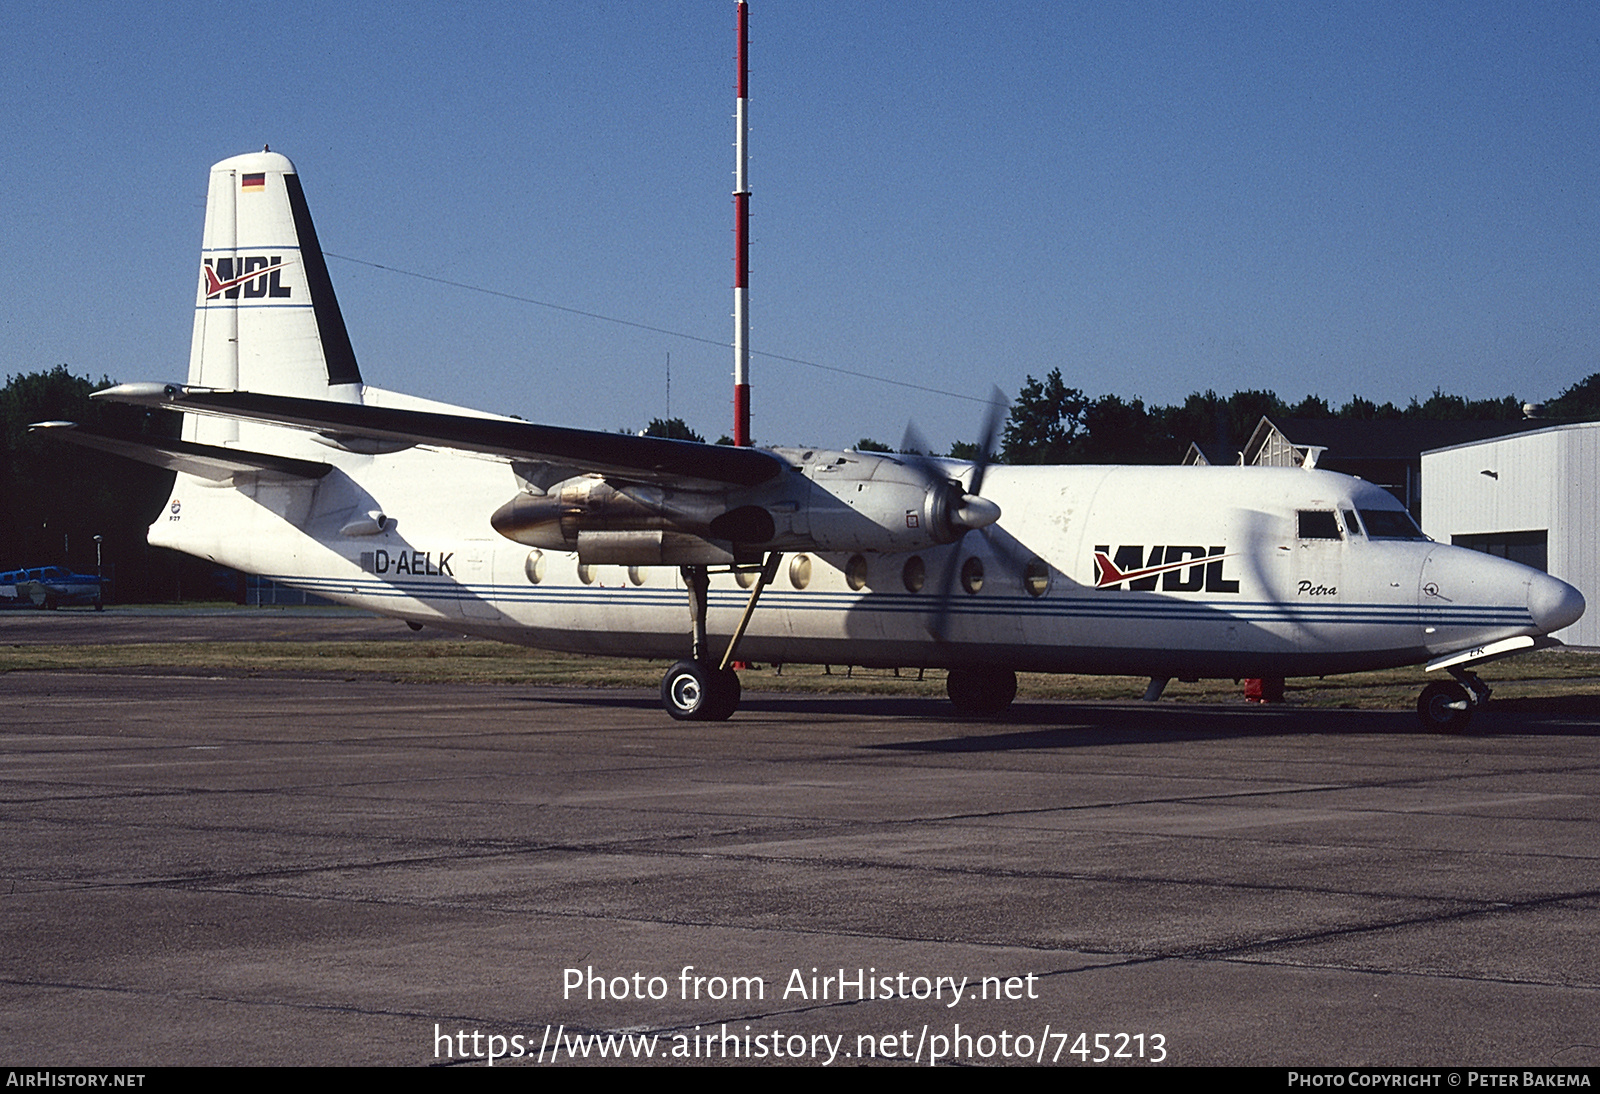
x: 56, y: 498
x: 1051, y: 423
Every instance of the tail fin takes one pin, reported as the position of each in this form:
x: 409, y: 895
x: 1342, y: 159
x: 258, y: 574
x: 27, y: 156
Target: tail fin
x: 266, y: 318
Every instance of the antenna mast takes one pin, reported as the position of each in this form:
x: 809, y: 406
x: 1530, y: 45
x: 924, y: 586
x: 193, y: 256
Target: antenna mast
x: 741, y: 257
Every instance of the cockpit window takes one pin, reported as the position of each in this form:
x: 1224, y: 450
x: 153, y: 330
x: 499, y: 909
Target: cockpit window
x: 1318, y: 524
x: 1390, y: 524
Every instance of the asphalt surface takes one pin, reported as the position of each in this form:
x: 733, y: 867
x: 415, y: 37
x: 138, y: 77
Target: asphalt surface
x: 200, y: 870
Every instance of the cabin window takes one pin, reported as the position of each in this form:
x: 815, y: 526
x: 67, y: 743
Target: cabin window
x: 972, y: 575
x: 586, y: 573
x: 855, y: 572
x: 534, y: 567
x: 746, y: 578
x: 1318, y: 524
x: 1390, y: 524
x: 1036, y: 577
x: 638, y: 575
x: 914, y: 574
x: 800, y: 571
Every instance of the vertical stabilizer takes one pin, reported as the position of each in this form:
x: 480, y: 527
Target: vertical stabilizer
x: 266, y: 318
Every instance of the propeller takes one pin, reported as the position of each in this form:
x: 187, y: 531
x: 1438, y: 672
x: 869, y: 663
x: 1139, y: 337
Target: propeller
x: 960, y: 509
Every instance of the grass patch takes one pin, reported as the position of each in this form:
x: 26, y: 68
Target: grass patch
x: 1549, y: 674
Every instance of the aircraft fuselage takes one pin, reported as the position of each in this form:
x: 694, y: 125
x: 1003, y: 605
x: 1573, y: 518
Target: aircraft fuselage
x: 1224, y: 572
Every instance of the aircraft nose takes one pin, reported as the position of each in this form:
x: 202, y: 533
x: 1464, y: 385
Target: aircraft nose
x: 1553, y: 603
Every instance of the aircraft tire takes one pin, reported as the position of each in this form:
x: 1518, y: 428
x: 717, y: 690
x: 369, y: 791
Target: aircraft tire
x: 692, y: 692
x: 728, y: 693
x: 981, y: 693
x: 1444, y: 707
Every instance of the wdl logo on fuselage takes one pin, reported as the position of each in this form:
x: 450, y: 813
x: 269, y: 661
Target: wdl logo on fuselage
x: 248, y: 276
x: 1179, y: 569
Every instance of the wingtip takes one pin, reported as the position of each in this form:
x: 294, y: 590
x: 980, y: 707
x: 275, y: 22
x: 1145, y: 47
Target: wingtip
x: 147, y: 392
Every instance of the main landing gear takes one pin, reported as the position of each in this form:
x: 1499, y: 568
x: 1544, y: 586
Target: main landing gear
x: 699, y: 689
x: 982, y: 692
x: 693, y: 692
x: 702, y: 690
x: 1446, y: 706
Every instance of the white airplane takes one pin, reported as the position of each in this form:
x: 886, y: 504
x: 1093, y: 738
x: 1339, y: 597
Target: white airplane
x: 292, y: 467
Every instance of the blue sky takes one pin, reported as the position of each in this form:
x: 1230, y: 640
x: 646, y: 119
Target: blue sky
x: 1331, y: 199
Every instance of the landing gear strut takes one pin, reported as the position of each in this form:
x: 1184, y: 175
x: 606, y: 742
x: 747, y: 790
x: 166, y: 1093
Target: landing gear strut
x: 700, y: 690
x: 1446, y: 706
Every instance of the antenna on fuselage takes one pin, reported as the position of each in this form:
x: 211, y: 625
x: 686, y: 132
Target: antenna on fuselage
x: 741, y: 251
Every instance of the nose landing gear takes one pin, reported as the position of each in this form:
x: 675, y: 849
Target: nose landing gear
x: 1446, y: 706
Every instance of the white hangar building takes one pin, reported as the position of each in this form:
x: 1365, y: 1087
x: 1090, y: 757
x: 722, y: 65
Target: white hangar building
x: 1531, y: 497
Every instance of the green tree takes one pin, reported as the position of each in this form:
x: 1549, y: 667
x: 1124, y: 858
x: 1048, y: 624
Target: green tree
x: 56, y: 497
x: 1365, y: 410
x: 674, y: 429
x: 1580, y: 402
x: 1124, y: 432
x: 867, y: 444
x: 1312, y: 406
x: 1045, y: 421
x: 1453, y: 408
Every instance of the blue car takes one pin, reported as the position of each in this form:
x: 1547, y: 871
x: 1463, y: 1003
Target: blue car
x: 50, y: 587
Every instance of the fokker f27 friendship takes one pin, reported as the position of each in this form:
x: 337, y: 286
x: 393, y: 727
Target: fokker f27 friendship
x: 292, y: 467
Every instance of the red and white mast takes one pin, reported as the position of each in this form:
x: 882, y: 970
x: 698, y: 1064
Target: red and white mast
x: 741, y: 256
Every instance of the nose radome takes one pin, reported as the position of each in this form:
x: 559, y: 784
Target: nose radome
x: 1553, y: 603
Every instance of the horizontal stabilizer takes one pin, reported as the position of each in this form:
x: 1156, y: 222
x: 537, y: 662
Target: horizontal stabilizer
x: 620, y: 455
x: 203, y: 460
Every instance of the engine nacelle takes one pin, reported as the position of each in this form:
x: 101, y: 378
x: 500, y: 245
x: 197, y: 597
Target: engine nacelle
x: 867, y: 501
x: 634, y: 525
x: 833, y: 502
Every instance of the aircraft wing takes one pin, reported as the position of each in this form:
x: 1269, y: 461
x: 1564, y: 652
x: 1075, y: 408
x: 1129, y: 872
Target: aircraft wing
x: 621, y: 455
x: 205, y: 460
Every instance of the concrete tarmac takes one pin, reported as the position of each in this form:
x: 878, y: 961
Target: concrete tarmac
x: 203, y: 870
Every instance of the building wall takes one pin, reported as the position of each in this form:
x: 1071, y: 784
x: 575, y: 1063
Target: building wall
x: 1545, y: 480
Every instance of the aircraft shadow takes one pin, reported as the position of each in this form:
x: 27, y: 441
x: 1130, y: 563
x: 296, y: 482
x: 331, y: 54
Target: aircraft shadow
x: 1078, y: 725
x: 1054, y: 725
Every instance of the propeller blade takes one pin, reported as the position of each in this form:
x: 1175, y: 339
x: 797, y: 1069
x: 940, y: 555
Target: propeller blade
x: 971, y: 513
x: 938, y: 621
x: 914, y: 446
x: 998, y: 407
